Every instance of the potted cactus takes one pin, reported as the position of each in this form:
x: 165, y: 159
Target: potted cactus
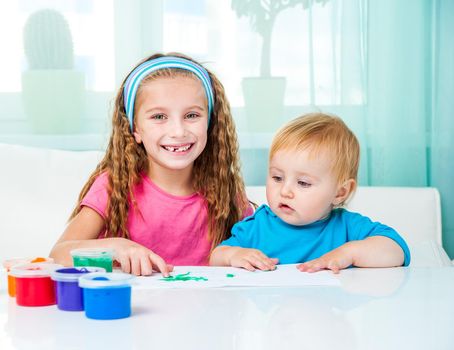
x: 264, y: 95
x: 53, y: 92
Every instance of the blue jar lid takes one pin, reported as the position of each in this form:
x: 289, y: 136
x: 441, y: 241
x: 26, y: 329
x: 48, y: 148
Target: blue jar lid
x: 72, y: 274
x: 105, y: 280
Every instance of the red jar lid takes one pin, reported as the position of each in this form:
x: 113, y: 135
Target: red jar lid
x: 9, y: 263
x: 34, y: 270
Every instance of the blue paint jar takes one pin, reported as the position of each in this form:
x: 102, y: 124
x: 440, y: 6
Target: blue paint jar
x: 107, y: 296
x: 69, y: 294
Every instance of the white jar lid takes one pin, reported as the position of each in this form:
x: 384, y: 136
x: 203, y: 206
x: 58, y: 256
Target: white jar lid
x: 9, y: 263
x: 105, y: 280
x: 92, y: 252
x: 34, y: 270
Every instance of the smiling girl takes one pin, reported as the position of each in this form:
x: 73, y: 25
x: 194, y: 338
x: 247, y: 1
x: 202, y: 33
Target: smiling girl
x: 169, y: 188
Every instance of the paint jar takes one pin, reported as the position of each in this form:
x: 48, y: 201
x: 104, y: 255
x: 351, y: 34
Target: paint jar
x: 8, y: 264
x: 107, y: 296
x: 34, y: 287
x: 100, y: 257
x: 69, y: 294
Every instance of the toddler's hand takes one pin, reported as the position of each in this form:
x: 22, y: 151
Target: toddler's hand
x: 250, y: 259
x: 335, y: 260
x: 138, y: 260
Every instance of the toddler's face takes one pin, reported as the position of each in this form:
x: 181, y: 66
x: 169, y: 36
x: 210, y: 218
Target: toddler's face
x: 301, y: 188
x: 172, y: 122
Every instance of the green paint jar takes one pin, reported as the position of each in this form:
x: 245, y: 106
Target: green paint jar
x: 99, y: 257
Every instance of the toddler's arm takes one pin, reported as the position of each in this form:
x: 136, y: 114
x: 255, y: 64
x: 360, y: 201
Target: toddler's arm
x: 375, y: 251
x: 250, y: 259
x: 83, y: 232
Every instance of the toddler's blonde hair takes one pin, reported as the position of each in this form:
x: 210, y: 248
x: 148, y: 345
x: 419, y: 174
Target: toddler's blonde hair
x: 318, y: 133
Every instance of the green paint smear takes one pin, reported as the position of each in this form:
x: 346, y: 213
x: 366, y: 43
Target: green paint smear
x: 183, y: 277
x: 230, y: 275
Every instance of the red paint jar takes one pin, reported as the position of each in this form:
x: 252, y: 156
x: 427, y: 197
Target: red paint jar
x: 34, y: 287
x: 8, y: 264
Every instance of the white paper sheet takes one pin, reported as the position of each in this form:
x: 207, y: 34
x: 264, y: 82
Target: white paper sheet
x: 216, y: 277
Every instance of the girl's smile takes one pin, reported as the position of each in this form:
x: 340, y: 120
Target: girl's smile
x: 181, y: 149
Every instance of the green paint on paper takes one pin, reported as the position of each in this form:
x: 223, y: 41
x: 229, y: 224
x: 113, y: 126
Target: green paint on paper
x: 183, y: 277
x: 230, y: 275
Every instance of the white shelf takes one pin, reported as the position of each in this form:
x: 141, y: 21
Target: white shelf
x: 79, y: 142
x: 85, y: 142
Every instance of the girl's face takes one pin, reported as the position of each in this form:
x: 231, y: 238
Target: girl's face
x: 172, y: 121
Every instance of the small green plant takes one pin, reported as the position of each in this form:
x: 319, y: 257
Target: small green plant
x: 47, y: 41
x: 262, y: 15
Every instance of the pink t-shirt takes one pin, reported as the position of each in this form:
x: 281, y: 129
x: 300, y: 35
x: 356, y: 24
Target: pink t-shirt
x: 174, y: 227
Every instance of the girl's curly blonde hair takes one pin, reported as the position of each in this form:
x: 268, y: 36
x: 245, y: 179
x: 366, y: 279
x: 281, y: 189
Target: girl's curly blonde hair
x: 216, y: 172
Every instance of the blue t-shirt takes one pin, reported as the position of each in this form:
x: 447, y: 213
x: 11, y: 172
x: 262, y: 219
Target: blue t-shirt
x: 296, y: 244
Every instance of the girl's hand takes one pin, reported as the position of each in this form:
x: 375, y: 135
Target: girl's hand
x: 138, y: 260
x: 250, y: 259
x: 336, y: 260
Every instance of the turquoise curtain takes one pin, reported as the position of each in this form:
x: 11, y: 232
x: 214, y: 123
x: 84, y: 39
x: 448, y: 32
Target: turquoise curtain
x: 393, y: 84
x: 408, y: 75
x: 442, y: 116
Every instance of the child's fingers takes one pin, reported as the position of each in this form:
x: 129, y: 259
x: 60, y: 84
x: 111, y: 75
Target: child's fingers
x: 262, y: 255
x: 258, y: 263
x: 317, y: 267
x: 271, y: 265
x: 266, y: 264
x: 303, y: 267
x: 269, y: 262
x: 159, y: 263
x: 247, y: 265
x: 333, y: 266
x: 125, y: 264
x: 135, y: 266
x: 310, y: 266
x: 146, y: 268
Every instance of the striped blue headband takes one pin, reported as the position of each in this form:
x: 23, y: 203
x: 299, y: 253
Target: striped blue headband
x: 133, y: 81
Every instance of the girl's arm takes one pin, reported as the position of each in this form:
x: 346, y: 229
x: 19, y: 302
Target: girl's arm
x: 83, y: 232
x: 376, y: 251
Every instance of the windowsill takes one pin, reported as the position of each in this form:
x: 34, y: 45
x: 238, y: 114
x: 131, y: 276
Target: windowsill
x: 86, y: 142
x: 77, y: 142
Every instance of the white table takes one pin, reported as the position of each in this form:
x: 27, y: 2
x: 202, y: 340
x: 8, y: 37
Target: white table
x: 400, y: 308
